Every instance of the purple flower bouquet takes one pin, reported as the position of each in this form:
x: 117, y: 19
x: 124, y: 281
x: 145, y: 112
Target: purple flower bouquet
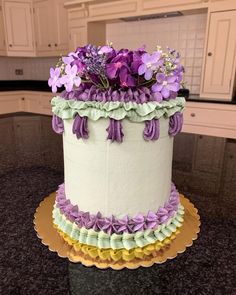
x: 108, y: 72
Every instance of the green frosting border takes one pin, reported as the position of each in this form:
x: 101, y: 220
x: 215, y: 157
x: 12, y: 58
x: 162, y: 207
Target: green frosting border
x: 127, y: 241
x: 135, y: 112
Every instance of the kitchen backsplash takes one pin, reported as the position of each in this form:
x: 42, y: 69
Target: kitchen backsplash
x: 33, y: 68
x: 185, y: 33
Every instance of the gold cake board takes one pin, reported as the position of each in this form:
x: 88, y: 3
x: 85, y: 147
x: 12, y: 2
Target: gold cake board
x: 50, y: 237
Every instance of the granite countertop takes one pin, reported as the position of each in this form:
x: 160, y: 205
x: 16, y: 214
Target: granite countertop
x: 31, y: 85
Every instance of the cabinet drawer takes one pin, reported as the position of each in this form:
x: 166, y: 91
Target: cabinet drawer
x: 11, y: 102
x: 45, y: 104
x: 210, y: 116
x: 210, y: 119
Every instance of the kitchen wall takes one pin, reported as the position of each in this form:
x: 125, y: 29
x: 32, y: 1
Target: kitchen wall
x: 185, y: 33
x: 33, y: 68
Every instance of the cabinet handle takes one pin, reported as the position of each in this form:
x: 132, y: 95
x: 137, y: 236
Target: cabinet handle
x: 22, y: 98
x: 49, y: 45
x: 55, y: 44
x: 193, y: 115
x: 209, y: 53
x: 10, y: 45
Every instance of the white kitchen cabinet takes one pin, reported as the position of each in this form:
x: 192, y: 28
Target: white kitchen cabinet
x: 11, y: 102
x: 78, y: 37
x: 220, y: 56
x: 42, y: 27
x: 2, y: 35
x: 18, y: 28
x: 51, y: 30
x: 25, y: 101
x: 45, y: 103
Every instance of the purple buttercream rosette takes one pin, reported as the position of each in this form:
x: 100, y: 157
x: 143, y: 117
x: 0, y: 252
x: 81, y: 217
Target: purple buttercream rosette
x: 114, y: 130
x: 80, y: 127
x: 176, y: 123
x: 151, y: 130
x: 111, y: 224
x: 57, y: 124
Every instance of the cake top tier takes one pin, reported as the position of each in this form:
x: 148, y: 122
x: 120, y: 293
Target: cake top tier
x: 103, y: 74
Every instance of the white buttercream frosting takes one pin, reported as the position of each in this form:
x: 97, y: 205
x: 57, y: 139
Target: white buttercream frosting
x: 113, y: 178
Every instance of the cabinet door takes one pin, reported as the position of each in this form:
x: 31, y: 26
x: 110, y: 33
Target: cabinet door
x: 219, y: 69
x: 78, y: 37
x: 2, y: 36
x: 60, y: 30
x: 43, y: 26
x: 11, y: 102
x: 18, y: 22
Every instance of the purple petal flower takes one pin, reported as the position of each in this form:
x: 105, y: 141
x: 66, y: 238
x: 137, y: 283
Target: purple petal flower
x: 166, y: 85
x: 54, y: 80
x: 105, y: 49
x: 71, y: 78
x: 151, y: 62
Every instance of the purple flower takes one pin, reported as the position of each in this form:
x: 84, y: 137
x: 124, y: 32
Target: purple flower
x: 105, y: 49
x: 71, y: 78
x: 165, y: 84
x: 151, y: 62
x: 54, y: 80
x: 67, y: 59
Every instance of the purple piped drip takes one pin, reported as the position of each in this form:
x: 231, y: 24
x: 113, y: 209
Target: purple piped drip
x: 93, y: 93
x: 80, y: 127
x: 151, y: 130
x: 112, y: 225
x: 57, y: 124
x: 176, y: 123
x: 115, y: 130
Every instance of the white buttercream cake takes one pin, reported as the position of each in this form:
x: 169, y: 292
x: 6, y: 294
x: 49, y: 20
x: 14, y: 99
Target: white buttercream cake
x: 118, y: 114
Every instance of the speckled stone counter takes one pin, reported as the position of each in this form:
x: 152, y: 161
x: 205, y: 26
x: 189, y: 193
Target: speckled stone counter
x: 205, y: 173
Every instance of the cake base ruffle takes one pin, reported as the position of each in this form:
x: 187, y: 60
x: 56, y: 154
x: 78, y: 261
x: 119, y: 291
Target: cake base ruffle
x: 116, y: 255
x: 50, y: 236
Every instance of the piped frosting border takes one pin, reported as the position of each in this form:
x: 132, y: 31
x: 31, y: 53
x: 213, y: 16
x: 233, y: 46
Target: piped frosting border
x: 127, y: 241
x: 135, y: 112
x: 120, y: 254
x: 111, y: 224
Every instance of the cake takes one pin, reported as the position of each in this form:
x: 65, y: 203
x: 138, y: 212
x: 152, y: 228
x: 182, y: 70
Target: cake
x: 118, y: 113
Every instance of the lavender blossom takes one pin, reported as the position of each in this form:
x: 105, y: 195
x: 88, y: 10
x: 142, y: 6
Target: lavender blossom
x: 71, y: 78
x: 54, y: 80
x: 165, y: 84
x: 151, y: 62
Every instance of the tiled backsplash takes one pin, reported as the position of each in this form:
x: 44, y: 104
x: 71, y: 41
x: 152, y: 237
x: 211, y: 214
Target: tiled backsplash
x: 33, y: 68
x: 185, y: 33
